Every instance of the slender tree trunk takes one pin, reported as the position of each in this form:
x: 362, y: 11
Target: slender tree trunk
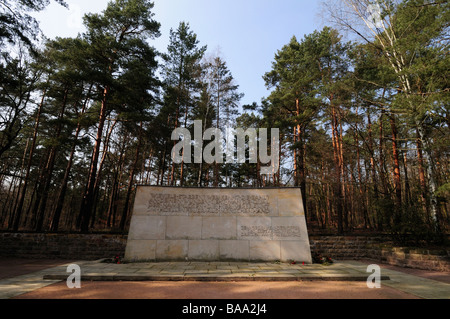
x: 112, y: 207
x: 21, y: 173
x: 104, y: 154
x: 296, y: 173
x: 21, y: 200
x: 8, y: 207
x: 162, y: 168
x: 382, y: 158
x: 43, y: 190
x: 430, y: 177
x: 280, y: 155
x: 43, y: 196
x: 87, y: 202
x: 422, y: 181
x: 163, y: 164
x: 200, y: 169
x: 149, y: 171
x: 65, y: 181
x: 182, y: 160
x: 36, y: 186
x: 98, y: 179
x: 112, y: 197
x: 379, y: 221
x: 301, y: 160
x: 326, y: 208
x: 299, y: 157
x: 396, y: 171
x: 361, y: 185
x: 12, y: 206
x: 172, y: 172
x: 130, y: 182
x: 407, y: 191
x: 340, y: 142
x: 216, y: 165
x: 338, y: 181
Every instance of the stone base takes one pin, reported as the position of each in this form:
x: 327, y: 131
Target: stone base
x: 215, y: 224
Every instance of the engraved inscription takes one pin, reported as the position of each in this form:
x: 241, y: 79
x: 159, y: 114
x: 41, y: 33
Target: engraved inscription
x: 267, y: 231
x: 256, y: 231
x: 286, y: 231
x: 208, y: 205
x: 244, y: 204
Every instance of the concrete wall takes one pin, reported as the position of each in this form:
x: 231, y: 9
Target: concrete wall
x: 218, y: 224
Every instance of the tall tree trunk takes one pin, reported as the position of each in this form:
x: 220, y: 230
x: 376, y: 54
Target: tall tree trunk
x: 130, y: 182
x: 407, y: 191
x: 87, y: 202
x: 21, y: 174
x: 338, y: 181
x: 216, y: 165
x: 98, y: 179
x: 172, y: 172
x: 324, y: 196
x: 299, y: 156
x: 280, y: 156
x: 200, y: 170
x: 65, y: 181
x: 37, y: 183
x: 396, y: 172
x: 104, y: 154
x: 162, y: 168
x: 379, y: 220
x: 340, y: 142
x: 302, y: 172
x: 182, y: 159
x: 42, y: 197
x: 361, y: 185
x: 8, y: 207
x: 296, y: 173
x: 430, y: 177
x: 112, y: 207
x: 381, y: 156
x: 422, y: 181
x: 23, y: 191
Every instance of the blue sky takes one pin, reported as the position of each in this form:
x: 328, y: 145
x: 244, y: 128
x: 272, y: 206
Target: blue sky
x: 248, y: 32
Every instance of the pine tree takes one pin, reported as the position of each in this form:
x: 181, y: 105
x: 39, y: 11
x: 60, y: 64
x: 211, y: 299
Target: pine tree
x: 181, y: 73
x: 225, y: 98
x: 115, y: 36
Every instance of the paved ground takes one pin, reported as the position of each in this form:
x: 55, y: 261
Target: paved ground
x: 217, y: 290
x: 22, y: 279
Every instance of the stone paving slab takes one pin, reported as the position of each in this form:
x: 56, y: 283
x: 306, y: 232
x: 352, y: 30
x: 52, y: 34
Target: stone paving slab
x: 421, y: 287
x: 211, y: 271
x: 18, y: 285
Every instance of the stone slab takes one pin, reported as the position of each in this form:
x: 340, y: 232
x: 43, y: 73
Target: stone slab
x: 218, y: 224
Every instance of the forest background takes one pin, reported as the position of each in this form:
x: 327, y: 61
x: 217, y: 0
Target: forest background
x: 364, y: 124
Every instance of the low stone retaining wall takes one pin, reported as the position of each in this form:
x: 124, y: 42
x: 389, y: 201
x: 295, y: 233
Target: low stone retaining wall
x: 96, y: 246
x: 61, y: 246
x: 377, y: 248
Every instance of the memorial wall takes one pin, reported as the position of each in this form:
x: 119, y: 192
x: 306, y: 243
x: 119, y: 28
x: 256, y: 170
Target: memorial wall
x: 215, y: 224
